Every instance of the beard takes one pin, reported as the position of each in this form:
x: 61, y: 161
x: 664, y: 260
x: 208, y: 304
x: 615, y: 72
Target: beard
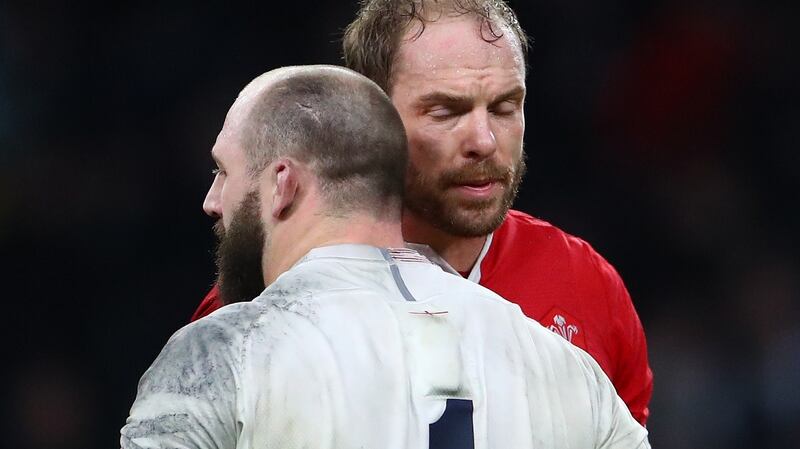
x: 240, y: 251
x: 431, y: 198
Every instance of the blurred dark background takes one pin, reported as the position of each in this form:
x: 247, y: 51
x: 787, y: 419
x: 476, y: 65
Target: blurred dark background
x: 663, y: 132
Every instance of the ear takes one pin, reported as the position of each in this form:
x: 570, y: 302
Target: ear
x: 285, y: 193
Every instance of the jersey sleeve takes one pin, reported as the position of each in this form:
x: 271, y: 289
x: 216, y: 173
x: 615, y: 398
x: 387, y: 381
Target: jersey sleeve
x: 616, y: 428
x: 187, y: 398
x: 633, y: 377
x: 585, y: 389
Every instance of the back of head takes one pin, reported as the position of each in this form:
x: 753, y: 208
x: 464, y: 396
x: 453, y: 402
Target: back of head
x: 341, y: 125
x: 371, y: 41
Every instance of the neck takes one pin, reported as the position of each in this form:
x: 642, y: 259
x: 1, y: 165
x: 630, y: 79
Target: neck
x: 460, y: 252
x: 292, y: 241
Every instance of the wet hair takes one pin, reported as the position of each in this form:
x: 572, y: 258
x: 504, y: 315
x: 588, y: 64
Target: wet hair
x: 339, y: 123
x: 372, y: 39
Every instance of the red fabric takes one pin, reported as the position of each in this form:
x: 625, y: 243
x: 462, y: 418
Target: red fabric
x: 209, y: 304
x: 560, y: 281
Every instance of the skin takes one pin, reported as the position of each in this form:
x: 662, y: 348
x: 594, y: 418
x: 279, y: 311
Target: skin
x: 231, y: 181
x: 461, y: 101
x: 294, y: 213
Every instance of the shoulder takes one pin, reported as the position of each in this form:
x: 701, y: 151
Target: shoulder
x: 521, y: 225
x: 481, y: 298
x: 228, y: 323
x: 521, y: 230
x: 200, y: 360
x: 189, y: 394
x: 563, y: 356
x: 221, y: 331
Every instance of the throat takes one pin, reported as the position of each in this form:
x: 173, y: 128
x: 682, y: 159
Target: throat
x: 461, y: 253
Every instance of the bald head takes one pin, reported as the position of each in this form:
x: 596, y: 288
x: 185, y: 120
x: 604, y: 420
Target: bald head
x: 336, y: 121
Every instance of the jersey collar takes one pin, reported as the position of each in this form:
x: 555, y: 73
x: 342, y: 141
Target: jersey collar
x: 475, y: 273
x: 343, y: 251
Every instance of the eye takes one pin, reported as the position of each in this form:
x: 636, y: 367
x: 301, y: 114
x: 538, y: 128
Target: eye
x: 217, y: 172
x: 507, y: 107
x: 441, y: 113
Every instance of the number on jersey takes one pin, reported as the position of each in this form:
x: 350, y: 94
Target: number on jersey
x: 454, y: 429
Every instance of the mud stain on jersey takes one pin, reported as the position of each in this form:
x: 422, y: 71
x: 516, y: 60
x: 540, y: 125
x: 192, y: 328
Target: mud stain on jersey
x: 160, y: 425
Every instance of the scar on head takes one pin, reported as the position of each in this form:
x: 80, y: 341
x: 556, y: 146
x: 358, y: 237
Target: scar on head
x: 309, y: 110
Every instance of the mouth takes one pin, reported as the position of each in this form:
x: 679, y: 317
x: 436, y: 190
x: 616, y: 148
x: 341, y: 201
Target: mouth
x: 479, y: 187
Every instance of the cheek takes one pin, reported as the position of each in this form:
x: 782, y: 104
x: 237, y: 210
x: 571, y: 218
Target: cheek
x: 228, y: 209
x: 510, y: 137
x: 231, y: 195
x: 427, y: 149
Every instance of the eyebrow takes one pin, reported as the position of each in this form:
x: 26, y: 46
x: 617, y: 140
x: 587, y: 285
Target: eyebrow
x: 216, y: 160
x: 449, y: 98
x: 442, y: 97
x: 517, y: 92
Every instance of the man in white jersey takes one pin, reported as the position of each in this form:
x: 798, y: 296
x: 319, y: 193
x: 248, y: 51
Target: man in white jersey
x: 357, y: 342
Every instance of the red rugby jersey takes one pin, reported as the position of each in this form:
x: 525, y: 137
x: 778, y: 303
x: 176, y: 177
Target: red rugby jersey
x: 561, y: 282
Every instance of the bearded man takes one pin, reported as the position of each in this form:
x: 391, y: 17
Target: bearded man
x: 358, y: 342
x: 455, y: 70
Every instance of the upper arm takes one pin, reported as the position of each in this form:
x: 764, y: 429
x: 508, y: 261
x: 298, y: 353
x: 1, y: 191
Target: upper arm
x: 608, y: 422
x: 633, y: 377
x: 630, y: 370
x: 187, y: 398
x: 616, y: 427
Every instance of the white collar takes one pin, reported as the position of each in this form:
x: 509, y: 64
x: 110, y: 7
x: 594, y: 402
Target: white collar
x: 343, y: 251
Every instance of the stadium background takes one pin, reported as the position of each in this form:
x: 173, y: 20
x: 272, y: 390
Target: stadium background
x: 663, y: 132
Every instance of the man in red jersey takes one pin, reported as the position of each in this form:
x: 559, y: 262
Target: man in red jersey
x: 455, y: 70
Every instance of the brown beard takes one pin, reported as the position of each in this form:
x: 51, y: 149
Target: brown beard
x: 239, y: 253
x: 428, y: 198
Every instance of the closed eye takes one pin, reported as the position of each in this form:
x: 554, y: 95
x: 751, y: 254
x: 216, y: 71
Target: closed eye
x: 509, y: 102
x: 506, y: 107
x: 441, y: 112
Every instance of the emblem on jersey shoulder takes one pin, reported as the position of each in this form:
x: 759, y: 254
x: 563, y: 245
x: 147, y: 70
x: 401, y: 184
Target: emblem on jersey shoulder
x: 566, y: 326
x: 561, y: 327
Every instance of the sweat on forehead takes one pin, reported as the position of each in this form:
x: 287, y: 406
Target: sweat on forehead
x: 372, y: 40
x: 452, y: 41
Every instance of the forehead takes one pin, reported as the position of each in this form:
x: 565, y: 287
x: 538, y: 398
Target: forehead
x: 227, y: 149
x: 455, y: 47
x: 228, y: 146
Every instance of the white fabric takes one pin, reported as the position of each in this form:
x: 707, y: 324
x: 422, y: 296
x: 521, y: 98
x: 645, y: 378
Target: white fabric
x: 433, y: 256
x: 333, y: 356
x: 475, y: 272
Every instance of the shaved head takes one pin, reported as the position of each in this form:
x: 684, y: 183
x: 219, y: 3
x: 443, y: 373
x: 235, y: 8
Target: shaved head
x: 321, y: 141
x: 338, y: 122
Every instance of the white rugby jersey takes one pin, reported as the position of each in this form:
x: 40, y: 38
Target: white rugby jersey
x: 361, y: 347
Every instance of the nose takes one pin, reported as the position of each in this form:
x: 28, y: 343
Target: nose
x: 481, y: 142
x: 212, y: 205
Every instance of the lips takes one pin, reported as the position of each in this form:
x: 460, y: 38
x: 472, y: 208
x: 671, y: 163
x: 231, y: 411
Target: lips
x: 478, y: 185
x: 479, y: 188
x: 482, y: 180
